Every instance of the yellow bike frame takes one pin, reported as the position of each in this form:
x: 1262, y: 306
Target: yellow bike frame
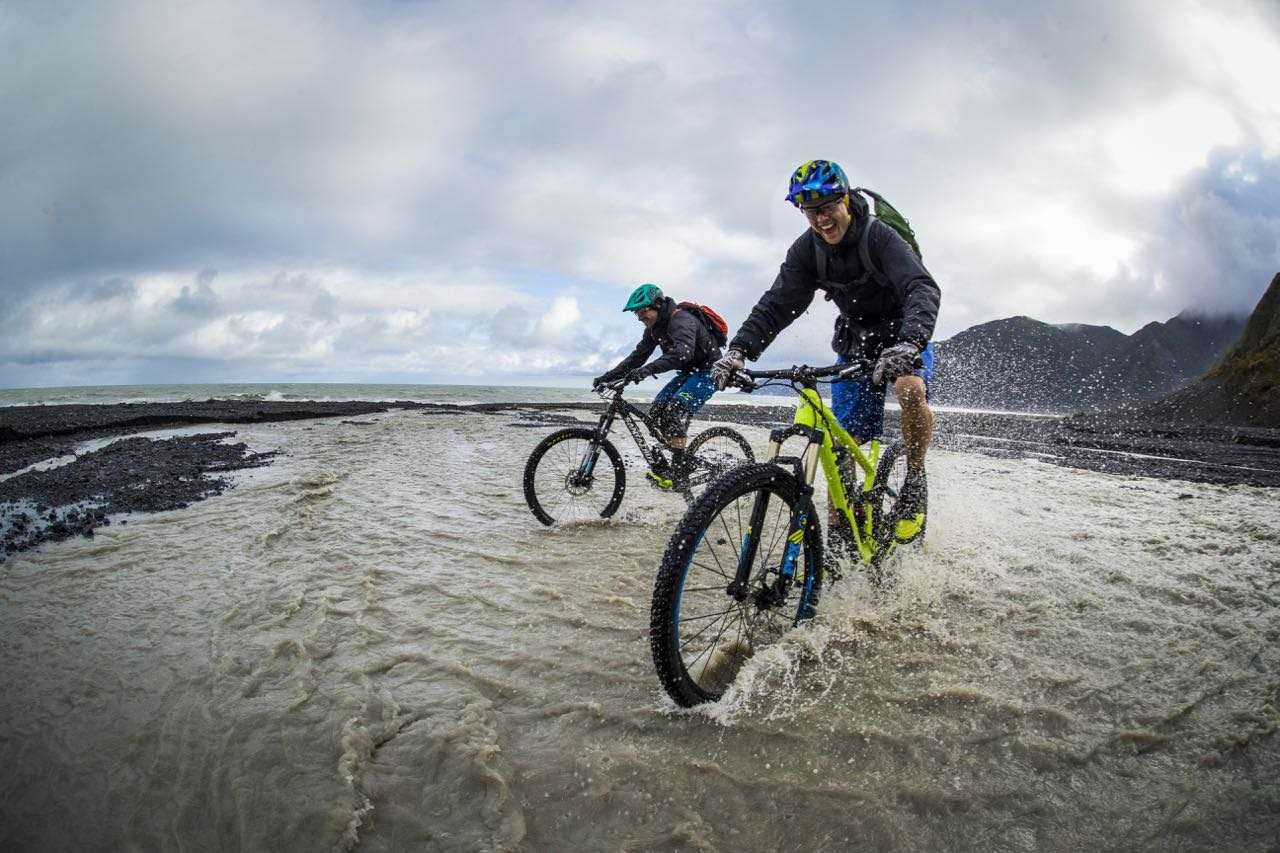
x: 811, y: 412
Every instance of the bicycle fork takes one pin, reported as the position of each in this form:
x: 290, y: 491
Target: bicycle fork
x: 587, y: 467
x: 775, y: 594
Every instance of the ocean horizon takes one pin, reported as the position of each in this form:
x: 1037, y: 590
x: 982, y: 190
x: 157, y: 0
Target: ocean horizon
x: 371, y: 392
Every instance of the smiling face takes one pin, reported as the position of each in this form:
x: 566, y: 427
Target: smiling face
x: 648, y: 316
x: 829, y: 218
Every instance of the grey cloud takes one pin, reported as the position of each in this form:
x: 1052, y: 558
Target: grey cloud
x: 1215, y: 245
x: 199, y: 299
x: 388, y: 138
x: 115, y: 287
x: 1233, y: 206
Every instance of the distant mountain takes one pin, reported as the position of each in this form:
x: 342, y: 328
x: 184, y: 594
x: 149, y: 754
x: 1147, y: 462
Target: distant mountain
x: 1243, y: 388
x: 1024, y: 364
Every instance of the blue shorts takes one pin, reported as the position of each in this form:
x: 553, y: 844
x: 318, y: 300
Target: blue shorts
x: 679, y: 399
x: 859, y: 405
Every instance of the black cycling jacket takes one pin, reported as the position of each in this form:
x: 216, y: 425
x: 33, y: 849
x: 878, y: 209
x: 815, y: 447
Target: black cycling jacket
x: 686, y: 344
x: 875, y: 312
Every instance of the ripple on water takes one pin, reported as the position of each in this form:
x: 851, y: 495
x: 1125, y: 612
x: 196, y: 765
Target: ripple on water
x: 381, y: 649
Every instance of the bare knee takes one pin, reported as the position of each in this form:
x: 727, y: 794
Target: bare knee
x: 910, y: 391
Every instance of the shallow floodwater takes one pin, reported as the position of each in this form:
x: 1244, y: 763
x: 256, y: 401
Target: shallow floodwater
x: 372, y: 645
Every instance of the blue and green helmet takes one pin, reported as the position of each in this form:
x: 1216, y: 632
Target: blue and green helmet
x: 815, y: 180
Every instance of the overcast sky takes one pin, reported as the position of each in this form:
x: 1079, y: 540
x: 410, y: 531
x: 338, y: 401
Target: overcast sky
x: 467, y: 192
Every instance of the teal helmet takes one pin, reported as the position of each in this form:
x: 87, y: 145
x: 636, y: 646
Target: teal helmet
x: 815, y: 180
x: 644, y: 296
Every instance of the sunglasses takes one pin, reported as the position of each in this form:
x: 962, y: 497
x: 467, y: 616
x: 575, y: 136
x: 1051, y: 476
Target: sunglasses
x: 825, y: 209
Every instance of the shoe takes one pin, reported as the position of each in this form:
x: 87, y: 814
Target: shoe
x: 910, y: 508
x: 661, y: 475
x: 660, y: 481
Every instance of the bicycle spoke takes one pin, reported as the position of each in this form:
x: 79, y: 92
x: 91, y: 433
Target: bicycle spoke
x: 685, y: 619
x: 715, y: 571
x: 720, y: 566
x: 727, y: 532
x: 711, y: 645
x: 689, y: 589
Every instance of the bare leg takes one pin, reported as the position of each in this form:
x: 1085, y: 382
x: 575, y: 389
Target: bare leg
x: 917, y: 419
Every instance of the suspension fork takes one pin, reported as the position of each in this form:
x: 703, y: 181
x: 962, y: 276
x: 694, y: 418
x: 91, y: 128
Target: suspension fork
x: 587, y: 467
x: 805, y: 469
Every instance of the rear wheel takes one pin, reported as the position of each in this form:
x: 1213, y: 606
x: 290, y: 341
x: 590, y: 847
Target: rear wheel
x: 572, y: 477
x: 713, y: 452
x: 701, y: 627
x: 891, y: 476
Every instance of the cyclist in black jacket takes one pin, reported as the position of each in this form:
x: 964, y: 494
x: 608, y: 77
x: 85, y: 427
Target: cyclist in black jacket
x: 687, y: 346
x: 885, y: 315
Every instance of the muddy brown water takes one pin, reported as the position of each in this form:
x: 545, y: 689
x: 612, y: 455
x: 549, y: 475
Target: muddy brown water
x: 372, y: 645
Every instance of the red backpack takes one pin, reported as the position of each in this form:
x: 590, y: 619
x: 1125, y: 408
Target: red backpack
x: 715, y: 324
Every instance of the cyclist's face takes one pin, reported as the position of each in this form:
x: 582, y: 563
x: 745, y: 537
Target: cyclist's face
x: 648, y: 316
x: 830, y: 219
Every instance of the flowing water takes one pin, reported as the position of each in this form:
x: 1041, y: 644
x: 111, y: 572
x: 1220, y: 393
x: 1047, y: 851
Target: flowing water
x: 372, y: 645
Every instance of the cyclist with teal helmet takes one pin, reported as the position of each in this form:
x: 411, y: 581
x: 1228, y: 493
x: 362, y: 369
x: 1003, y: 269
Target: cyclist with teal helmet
x: 886, y: 316
x: 688, y: 347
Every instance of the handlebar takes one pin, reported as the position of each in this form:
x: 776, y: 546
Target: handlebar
x: 615, y: 386
x: 749, y: 380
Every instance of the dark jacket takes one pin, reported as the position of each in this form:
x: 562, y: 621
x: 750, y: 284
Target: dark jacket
x: 874, y: 312
x: 686, y: 344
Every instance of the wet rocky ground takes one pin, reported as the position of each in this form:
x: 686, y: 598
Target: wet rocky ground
x: 140, y: 474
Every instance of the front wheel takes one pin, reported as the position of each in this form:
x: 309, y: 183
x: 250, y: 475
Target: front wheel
x: 568, y: 479
x: 702, y: 624
x: 709, y: 456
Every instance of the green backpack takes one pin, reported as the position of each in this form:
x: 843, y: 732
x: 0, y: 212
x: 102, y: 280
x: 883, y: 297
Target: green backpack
x: 886, y: 213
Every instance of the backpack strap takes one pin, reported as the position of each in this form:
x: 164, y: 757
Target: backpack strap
x: 864, y: 252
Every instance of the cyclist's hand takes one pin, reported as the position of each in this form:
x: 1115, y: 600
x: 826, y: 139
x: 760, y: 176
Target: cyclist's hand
x: 722, y: 371
x: 898, y: 360
x: 599, y: 382
x: 638, y: 375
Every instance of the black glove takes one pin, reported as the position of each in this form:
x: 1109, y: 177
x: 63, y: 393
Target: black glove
x: 722, y: 371
x: 640, y: 374
x: 599, y: 381
x: 898, y: 360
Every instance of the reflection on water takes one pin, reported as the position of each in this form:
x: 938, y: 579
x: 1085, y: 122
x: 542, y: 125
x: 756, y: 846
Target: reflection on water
x: 372, y: 644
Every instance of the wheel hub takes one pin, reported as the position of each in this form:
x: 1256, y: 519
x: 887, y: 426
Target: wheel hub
x: 576, y: 484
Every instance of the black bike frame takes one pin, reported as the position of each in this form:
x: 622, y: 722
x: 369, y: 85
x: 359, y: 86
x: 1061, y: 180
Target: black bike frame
x: 629, y: 413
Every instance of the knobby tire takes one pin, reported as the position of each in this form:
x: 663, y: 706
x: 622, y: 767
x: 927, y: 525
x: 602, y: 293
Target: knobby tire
x: 701, y: 559
x: 551, y: 497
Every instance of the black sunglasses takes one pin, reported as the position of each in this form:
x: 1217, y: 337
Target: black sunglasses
x: 826, y: 208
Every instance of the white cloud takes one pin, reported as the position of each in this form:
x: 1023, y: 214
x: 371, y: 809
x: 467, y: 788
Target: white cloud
x: 413, y: 189
x: 560, y: 318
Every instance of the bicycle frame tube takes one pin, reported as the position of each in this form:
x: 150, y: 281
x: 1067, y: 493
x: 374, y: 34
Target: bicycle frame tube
x: 630, y: 414
x: 812, y: 412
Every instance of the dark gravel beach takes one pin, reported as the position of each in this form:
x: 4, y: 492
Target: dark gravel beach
x: 142, y: 474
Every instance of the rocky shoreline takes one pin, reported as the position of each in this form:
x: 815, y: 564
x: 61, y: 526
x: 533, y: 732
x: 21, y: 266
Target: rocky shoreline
x: 140, y: 474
